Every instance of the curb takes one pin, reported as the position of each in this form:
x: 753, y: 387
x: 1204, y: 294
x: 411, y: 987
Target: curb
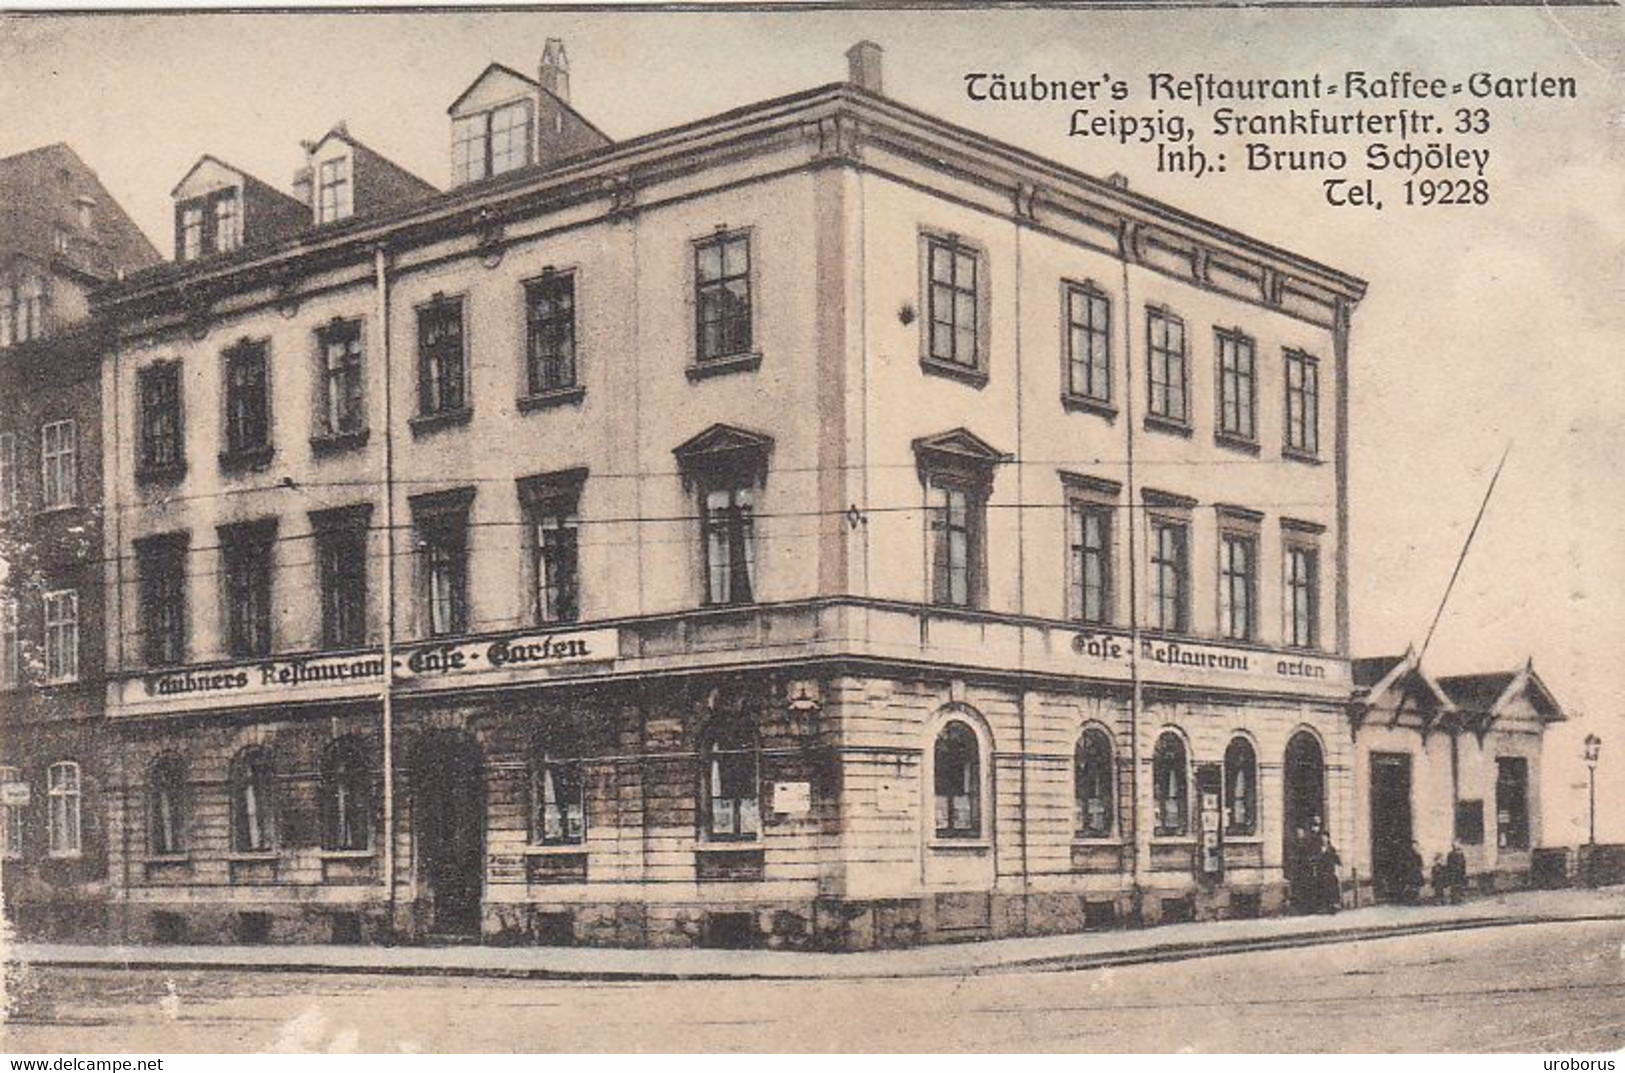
x: 1168, y: 952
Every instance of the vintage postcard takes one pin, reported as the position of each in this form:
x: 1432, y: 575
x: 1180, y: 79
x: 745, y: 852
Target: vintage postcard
x: 812, y: 529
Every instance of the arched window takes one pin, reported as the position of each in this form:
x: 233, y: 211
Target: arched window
x: 63, y: 789
x: 346, y: 796
x: 251, y: 801
x: 558, y: 805
x: 1170, y: 784
x: 1240, y: 788
x: 166, y: 807
x: 1095, y: 784
x: 732, y: 780
x: 957, y: 767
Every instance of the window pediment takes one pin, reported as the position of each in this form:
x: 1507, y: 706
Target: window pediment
x: 724, y: 450
x: 958, y: 453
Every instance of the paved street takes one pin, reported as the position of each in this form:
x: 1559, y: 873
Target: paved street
x: 1540, y: 987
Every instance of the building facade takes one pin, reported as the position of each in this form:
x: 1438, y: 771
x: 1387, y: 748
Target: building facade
x: 817, y: 526
x: 61, y: 234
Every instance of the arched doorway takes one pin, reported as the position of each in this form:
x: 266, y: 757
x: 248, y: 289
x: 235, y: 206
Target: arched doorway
x: 449, y: 810
x: 1303, y: 808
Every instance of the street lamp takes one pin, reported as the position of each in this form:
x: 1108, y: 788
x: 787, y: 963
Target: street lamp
x: 1593, y: 749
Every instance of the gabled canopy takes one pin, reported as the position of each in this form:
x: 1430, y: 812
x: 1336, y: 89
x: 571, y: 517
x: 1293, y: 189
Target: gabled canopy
x: 724, y: 450
x: 1484, y: 698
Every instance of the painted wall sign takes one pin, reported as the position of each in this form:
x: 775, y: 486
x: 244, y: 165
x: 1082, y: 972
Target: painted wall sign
x: 1110, y: 651
x: 415, y: 667
x: 792, y: 798
x: 15, y: 794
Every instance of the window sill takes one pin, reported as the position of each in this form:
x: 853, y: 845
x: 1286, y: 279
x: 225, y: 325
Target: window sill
x: 253, y: 856
x: 555, y: 849
x: 1243, y: 840
x: 1298, y: 454
x: 255, y: 459
x: 328, y: 443
x: 965, y: 374
x: 1098, y: 841
x: 547, y: 400
x: 64, y: 855
x: 344, y: 855
x: 727, y: 844
x: 1175, y: 840
x: 969, y: 847
x: 734, y: 363
x: 60, y: 508
x: 57, y: 683
x: 1086, y: 405
x: 423, y: 424
x: 1171, y: 425
x: 1231, y: 441
x: 160, y: 474
x: 161, y: 859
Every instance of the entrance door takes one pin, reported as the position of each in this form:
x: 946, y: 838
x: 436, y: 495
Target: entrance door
x: 450, y: 808
x: 1390, y: 823
x: 1304, y: 807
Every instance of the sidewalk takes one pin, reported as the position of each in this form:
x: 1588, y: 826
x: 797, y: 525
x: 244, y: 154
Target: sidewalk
x: 1048, y: 953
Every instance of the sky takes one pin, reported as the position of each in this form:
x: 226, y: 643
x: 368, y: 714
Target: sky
x: 1484, y: 326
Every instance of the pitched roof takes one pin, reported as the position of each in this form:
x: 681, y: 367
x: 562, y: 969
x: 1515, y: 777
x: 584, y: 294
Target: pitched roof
x: 533, y: 84
x: 1476, y: 692
x: 40, y: 190
x: 1369, y: 670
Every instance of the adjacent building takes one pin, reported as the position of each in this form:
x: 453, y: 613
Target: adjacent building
x: 1451, y: 761
x: 816, y: 525
x: 61, y: 234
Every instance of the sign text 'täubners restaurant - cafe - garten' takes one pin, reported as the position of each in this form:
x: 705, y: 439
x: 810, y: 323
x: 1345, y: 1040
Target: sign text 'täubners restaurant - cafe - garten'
x: 355, y: 674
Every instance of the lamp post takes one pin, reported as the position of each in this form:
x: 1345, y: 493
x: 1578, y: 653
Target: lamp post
x: 1593, y: 749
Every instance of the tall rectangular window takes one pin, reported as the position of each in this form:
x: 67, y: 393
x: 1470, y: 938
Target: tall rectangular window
x: 59, y: 464
x: 191, y: 231
x: 1238, y: 586
x: 13, y: 819
x: 334, y: 198
x: 442, y: 524
x: 441, y: 373
x: 61, y: 636
x: 10, y: 496
x: 1303, y: 596
x: 510, y: 137
x: 1237, y: 387
x: 1302, y: 403
x: 550, y: 313
x: 248, y: 399
x: 730, y: 543
x: 550, y: 514
x: 1512, y: 802
x: 161, y: 577
x: 341, y: 559
x: 160, y: 439
x: 246, y: 558
x: 228, y: 233
x: 1092, y: 563
x: 952, y: 303
x: 343, y: 406
x: 1089, y: 343
x: 63, y: 792
x: 10, y: 644
x: 722, y: 308
x: 1167, y: 377
x: 956, y: 515
x: 1170, y: 575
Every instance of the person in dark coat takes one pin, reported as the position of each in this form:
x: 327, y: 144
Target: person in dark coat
x: 1440, y: 877
x: 1328, y: 888
x: 1456, y: 867
x: 1410, y: 886
x: 1297, y: 863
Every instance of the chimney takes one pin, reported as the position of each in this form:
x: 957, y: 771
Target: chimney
x: 863, y: 66
x: 554, y: 73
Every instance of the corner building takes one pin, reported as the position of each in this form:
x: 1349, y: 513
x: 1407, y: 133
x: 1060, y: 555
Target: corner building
x: 814, y: 526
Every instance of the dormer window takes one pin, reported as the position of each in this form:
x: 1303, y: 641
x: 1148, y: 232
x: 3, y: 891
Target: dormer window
x: 210, y: 224
x: 334, y: 201
x: 491, y: 142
